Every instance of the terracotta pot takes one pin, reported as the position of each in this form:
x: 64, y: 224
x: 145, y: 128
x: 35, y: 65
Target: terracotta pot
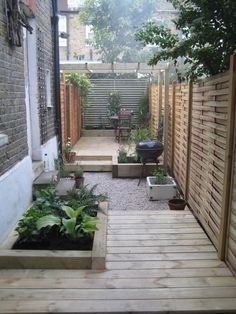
x: 177, y: 204
x: 79, y: 181
x: 70, y: 157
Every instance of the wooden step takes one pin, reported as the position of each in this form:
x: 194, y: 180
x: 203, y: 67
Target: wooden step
x: 91, y: 165
x: 93, y: 157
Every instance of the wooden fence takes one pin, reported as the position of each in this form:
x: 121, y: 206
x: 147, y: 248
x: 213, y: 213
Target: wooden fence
x: 71, y: 113
x: 200, y: 151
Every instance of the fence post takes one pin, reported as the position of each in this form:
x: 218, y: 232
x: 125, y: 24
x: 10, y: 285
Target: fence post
x: 160, y: 82
x: 166, y: 118
x: 190, y: 108
x: 227, y: 183
x: 173, y: 129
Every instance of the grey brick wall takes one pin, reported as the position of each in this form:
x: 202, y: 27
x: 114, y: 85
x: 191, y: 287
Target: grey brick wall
x: 12, y: 100
x: 12, y: 88
x: 43, y: 20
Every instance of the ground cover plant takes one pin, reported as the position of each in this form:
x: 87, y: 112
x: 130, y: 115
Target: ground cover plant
x: 53, y: 223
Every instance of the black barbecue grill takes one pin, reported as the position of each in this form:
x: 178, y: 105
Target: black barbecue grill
x: 149, y: 151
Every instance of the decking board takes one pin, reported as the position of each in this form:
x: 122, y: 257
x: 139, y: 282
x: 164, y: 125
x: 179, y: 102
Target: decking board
x: 152, y: 268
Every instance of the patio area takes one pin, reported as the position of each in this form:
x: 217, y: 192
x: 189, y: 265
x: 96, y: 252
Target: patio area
x: 156, y: 262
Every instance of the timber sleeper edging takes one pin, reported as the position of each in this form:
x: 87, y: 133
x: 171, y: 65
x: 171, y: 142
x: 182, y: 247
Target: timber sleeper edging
x: 53, y: 259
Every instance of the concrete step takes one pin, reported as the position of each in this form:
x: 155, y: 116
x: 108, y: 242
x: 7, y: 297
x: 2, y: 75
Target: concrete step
x: 37, y: 167
x: 47, y: 178
x: 64, y: 186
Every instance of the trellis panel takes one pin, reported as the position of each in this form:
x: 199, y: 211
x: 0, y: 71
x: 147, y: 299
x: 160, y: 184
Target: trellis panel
x: 180, y: 135
x: 208, y: 146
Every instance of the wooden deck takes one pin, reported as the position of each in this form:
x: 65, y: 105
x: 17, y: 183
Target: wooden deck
x: 157, y: 262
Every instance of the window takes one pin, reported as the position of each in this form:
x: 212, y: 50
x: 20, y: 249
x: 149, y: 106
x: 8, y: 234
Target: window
x: 62, y: 27
x: 89, y: 33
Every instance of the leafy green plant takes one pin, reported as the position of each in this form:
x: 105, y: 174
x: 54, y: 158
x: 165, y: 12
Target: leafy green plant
x: 27, y: 229
x: 47, y: 197
x: 47, y: 202
x: 114, y: 103
x: 143, y: 109
x: 122, y: 155
x: 86, y: 196
x: 73, y: 226
x: 83, y: 83
x: 79, y: 173
x: 160, y: 177
x: 139, y: 135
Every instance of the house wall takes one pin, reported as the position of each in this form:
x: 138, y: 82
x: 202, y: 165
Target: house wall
x: 76, y: 42
x: 16, y: 121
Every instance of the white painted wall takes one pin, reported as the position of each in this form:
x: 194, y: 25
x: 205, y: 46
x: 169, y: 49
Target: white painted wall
x: 50, y: 148
x: 15, y: 195
x: 33, y: 92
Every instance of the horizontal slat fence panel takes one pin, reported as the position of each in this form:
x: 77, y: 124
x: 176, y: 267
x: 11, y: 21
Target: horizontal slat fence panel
x: 207, y: 157
x: 130, y: 91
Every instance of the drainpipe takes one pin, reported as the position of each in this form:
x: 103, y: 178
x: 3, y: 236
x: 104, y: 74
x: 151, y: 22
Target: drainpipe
x: 55, y: 19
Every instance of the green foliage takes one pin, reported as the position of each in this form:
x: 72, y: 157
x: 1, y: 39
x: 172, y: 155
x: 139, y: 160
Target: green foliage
x: 143, y: 109
x: 79, y: 173
x: 122, y: 155
x: 74, y: 225
x: 83, y: 83
x: 160, y: 177
x: 114, y: 103
x: 50, y: 213
x: 114, y: 24
x: 26, y: 228
x: 86, y: 196
x: 208, y: 36
x: 47, y: 202
x: 139, y: 135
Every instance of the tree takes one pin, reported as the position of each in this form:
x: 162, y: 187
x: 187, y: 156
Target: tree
x: 114, y: 24
x: 208, y: 38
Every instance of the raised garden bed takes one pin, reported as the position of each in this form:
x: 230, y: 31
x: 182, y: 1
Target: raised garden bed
x: 131, y: 170
x: 59, y: 259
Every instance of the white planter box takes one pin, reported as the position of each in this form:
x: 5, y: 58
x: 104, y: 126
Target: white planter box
x: 160, y: 191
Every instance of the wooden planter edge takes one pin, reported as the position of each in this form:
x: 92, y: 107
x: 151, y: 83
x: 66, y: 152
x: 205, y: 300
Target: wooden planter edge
x: 50, y: 259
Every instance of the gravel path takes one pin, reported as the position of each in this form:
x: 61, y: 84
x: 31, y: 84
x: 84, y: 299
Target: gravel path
x: 123, y: 194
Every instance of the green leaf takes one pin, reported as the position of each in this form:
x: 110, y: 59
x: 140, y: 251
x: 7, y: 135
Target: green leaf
x: 69, y: 227
x: 48, y: 221
x: 89, y: 224
x: 70, y: 212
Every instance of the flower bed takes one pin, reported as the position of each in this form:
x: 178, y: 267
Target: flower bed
x: 131, y: 170
x: 59, y: 234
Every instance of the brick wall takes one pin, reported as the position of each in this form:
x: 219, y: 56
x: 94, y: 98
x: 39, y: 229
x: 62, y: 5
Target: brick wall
x: 12, y: 100
x: 43, y: 20
x: 77, y: 39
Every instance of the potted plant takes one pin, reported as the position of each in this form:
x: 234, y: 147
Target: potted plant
x: 160, y: 186
x: 70, y: 156
x: 177, y: 204
x: 79, y: 177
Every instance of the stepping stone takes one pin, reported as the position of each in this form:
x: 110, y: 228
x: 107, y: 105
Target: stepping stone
x: 46, y: 178
x: 64, y: 186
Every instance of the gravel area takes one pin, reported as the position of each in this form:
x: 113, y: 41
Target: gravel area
x: 123, y: 194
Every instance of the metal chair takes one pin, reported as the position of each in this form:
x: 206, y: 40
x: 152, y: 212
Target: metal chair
x: 123, y: 129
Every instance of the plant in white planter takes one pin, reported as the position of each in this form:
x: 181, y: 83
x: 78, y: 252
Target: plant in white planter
x: 160, y: 186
